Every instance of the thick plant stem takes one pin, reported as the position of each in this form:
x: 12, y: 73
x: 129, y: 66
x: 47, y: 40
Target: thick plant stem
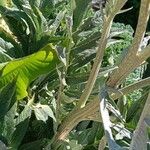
x: 90, y: 111
x: 132, y: 59
x: 74, y: 118
x: 141, y: 26
x: 97, y: 63
x: 100, y: 52
x: 132, y: 87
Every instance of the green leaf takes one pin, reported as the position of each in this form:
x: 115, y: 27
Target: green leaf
x: 41, y: 21
x: 87, y: 25
x: 87, y: 43
x: 21, y: 127
x: 82, y: 59
x: 87, y: 137
x: 75, y: 146
x: 77, y: 78
x: 2, y: 146
x: 46, y: 6
x: 133, y: 109
x: 3, y: 56
x: 6, y: 51
x: 23, y: 18
x: 20, y: 3
x: 38, y: 145
x: 42, y: 112
x: 8, y: 37
x: 122, y: 132
x: 29, y: 68
x: 8, y: 123
x: 6, y: 98
x: 79, y: 11
x: 57, y: 21
x: 103, y: 97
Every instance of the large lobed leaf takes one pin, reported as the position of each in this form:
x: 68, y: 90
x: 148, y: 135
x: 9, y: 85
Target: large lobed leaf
x: 29, y: 68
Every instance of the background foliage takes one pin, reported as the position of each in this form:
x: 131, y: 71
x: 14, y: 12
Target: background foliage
x: 40, y: 83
